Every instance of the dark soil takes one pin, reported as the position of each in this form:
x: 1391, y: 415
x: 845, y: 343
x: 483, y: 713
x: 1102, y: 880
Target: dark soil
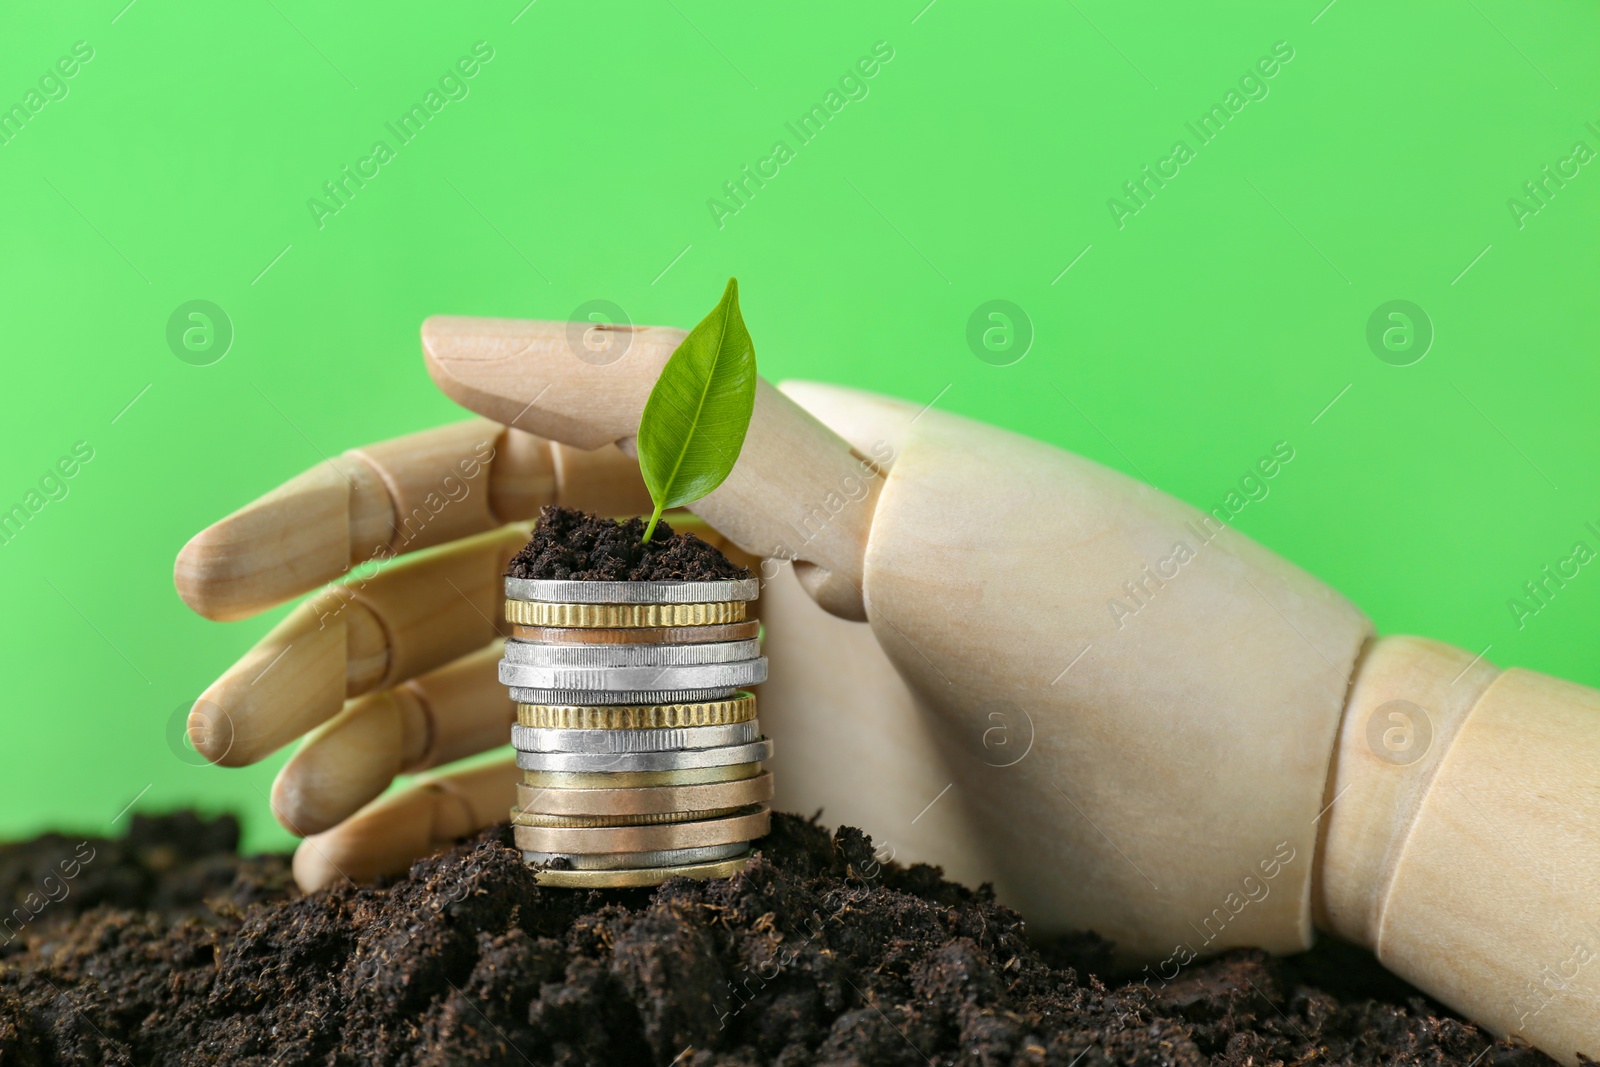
x: 576, y: 546
x: 164, y: 947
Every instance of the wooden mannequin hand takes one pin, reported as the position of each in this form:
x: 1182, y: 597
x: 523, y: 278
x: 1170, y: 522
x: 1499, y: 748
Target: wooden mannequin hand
x: 990, y: 653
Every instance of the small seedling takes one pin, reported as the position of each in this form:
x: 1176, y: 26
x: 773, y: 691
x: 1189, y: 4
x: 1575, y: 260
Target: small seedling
x: 694, y: 423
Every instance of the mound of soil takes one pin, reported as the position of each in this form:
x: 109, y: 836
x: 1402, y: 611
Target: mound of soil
x: 576, y: 546
x: 164, y: 947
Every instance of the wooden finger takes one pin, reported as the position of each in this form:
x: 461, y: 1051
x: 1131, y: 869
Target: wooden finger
x: 798, y: 490
x: 389, y: 499
x: 459, y: 710
x: 388, y: 835
x: 370, y: 633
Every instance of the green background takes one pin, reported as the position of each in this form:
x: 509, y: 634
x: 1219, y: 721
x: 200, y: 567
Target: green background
x: 1228, y: 314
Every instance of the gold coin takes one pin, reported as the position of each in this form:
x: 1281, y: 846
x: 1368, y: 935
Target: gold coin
x: 747, y: 825
x: 591, y: 616
x: 741, y: 708
x: 611, y: 803
x: 638, y: 876
x: 641, y: 635
x: 655, y: 818
x: 635, y: 779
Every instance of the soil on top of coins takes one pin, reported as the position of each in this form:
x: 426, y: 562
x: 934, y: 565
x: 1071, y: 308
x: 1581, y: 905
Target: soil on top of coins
x: 167, y: 947
x: 573, y: 545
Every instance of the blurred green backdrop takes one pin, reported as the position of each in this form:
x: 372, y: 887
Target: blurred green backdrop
x: 1219, y: 308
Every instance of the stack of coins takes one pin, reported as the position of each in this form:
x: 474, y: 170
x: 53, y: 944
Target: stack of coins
x: 640, y: 752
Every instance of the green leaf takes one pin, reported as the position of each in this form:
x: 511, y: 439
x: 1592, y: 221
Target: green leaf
x: 694, y: 423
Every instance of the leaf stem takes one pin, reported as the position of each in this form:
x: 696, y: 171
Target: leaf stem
x: 648, y: 530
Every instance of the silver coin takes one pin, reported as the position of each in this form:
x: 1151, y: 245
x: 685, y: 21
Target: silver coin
x: 678, y: 760
x: 734, y: 675
x: 533, y: 654
x: 550, y: 591
x: 590, y: 697
x: 662, y: 739
x: 621, y: 861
